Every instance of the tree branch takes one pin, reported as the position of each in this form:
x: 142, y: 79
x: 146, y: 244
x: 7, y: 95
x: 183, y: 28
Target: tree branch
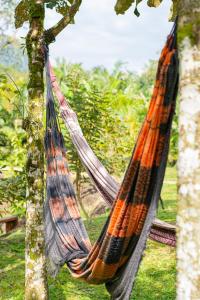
x: 51, y: 33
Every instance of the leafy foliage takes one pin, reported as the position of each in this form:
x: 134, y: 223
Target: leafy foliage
x: 123, y: 5
x: 21, y: 13
x: 154, y: 3
x: 13, y: 193
x: 100, y: 125
x: 12, y: 140
x: 174, y: 10
x: 61, y: 6
x: 100, y: 122
x: 22, y: 9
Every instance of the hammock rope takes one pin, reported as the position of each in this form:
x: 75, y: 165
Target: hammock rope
x: 114, y: 258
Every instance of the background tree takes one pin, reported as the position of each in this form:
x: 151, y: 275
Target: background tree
x: 12, y: 105
x: 93, y: 103
x: 89, y: 103
x: 12, y: 140
x: 34, y: 12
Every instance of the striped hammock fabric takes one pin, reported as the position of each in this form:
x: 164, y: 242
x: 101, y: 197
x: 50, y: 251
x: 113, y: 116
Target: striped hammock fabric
x: 114, y: 258
x: 103, y: 181
x: 105, y: 184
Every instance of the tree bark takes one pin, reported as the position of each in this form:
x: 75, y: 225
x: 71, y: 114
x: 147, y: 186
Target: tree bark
x: 78, y: 189
x: 52, y: 32
x: 35, y: 277
x: 188, y: 219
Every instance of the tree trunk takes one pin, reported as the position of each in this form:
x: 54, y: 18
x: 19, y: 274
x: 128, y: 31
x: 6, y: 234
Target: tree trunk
x: 188, y: 248
x: 35, y: 277
x: 78, y: 190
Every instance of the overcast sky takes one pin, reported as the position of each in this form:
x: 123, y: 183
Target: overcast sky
x: 100, y: 37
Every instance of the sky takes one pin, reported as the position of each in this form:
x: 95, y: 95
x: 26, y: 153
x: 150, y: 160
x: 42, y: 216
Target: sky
x: 100, y: 37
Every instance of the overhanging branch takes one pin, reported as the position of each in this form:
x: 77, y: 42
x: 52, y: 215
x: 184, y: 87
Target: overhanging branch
x: 51, y: 33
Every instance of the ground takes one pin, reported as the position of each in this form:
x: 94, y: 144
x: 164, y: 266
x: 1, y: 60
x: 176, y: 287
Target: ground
x: 156, y: 277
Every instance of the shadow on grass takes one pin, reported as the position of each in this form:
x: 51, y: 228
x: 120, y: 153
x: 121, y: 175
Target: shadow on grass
x: 151, y: 284
x: 155, y: 284
x: 65, y: 287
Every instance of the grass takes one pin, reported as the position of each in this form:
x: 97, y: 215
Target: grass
x: 155, y: 280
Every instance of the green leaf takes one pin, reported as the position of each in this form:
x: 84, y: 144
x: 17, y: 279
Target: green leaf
x: 50, y: 5
x: 61, y: 6
x: 123, y: 5
x: 3, y: 78
x: 21, y: 13
x: 173, y: 11
x: 154, y: 3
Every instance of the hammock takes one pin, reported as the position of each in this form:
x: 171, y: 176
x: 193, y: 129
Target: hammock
x: 114, y: 259
x: 106, y: 185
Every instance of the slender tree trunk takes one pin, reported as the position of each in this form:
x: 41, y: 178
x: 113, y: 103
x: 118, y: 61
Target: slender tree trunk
x: 35, y: 277
x: 188, y: 251
x: 78, y: 190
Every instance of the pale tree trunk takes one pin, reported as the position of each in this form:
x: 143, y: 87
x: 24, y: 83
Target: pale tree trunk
x: 188, y: 219
x: 35, y: 277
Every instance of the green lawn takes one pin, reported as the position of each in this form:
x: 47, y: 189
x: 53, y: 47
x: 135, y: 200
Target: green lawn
x: 155, y: 280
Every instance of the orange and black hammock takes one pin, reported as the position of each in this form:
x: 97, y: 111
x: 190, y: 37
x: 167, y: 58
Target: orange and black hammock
x: 115, y: 257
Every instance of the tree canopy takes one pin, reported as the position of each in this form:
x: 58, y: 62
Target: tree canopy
x: 68, y: 8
